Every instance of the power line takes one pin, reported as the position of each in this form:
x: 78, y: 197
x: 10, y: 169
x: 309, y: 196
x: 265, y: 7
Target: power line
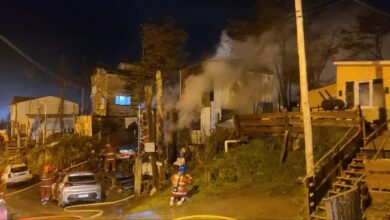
x: 39, y: 66
x: 372, y: 8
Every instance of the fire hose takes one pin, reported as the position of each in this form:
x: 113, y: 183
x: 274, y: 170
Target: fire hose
x: 68, y: 209
x: 204, y: 217
x: 97, y: 212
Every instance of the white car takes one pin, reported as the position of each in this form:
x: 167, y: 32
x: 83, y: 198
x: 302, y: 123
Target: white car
x: 76, y: 186
x: 16, y: 173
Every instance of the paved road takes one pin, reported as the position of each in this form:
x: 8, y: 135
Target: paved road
x: 27, y: 204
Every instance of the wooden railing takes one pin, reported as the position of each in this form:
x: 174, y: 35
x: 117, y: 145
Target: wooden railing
x: 331, y: 164
x: 276, y: 122
x: 375, y: 133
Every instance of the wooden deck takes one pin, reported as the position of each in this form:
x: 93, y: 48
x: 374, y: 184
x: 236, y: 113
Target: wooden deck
x: 279, y: 122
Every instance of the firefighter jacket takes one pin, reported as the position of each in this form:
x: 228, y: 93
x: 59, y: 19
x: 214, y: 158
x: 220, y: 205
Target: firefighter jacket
x: 180, y: 182
x: 110, y: 155
x: 46, y: 180
x: 2, y: 190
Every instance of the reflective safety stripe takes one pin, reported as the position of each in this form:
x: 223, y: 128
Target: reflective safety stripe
x: 180, y: 193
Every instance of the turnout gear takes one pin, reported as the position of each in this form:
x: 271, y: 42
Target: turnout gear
x: 110, y: 159
x: 180, y: 183
x: 2, y: 189
x: 46, y: 183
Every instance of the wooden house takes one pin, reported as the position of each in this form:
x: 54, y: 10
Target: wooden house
x: 364, y: 83
x: 116, y: 94
x: 30, y: 115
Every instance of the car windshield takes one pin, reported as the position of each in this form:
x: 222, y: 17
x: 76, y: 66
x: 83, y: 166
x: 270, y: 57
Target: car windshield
x: 19, y: 169
x: 81, y: 178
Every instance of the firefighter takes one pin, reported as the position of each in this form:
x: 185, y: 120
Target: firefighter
x: 2, y: 188
x: 46, y: 182
x: 6, y: 139
x: 180, y: 183
x: 3, y: 210
x: 109, y: 160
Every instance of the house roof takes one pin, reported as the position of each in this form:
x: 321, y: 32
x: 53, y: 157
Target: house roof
x: 17, y: 99
x: 361, y: 63
x: 121, y: 72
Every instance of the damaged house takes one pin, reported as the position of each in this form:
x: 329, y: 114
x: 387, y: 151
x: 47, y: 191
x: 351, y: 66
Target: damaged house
x: 225, y: 89
x: 115, y: 97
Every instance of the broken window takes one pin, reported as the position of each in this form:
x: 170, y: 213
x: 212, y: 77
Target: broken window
x: 122, y: 100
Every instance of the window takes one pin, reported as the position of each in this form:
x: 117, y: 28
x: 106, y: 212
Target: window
x: 122, y: 100
x: 364, y: 94
x: 19, y: 169
x: 349, y: 95
x: 378, y: 97
x: 82, y: 178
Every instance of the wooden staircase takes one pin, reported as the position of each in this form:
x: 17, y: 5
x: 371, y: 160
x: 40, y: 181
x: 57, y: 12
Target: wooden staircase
x: 14, y: 153
x: 349, y: 178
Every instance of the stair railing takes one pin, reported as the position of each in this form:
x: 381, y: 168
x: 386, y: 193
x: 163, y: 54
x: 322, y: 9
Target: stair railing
x: 331, y: 164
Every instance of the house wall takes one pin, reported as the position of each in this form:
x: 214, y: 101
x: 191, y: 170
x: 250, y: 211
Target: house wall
x: 122, y: 86
x: 99, y: 92
x: 19, y: 111
x: 386, y: 84
x: 83, y: 125
x: 362, y: 72
x: 106, y: 86
x: 315, y: 98
x: 52, y: 125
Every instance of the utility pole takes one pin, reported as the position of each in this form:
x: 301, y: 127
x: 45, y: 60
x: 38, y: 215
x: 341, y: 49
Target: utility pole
x: 82, y: 101
x: 304, y: 89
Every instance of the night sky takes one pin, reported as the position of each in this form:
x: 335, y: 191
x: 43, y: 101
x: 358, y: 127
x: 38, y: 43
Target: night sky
x: 99, y: 32
x: 95, y: 32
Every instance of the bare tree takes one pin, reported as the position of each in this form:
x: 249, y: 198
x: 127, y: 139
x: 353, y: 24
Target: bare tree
x: 163, y: 47
x: 365, y: 40
x: 321, y: 48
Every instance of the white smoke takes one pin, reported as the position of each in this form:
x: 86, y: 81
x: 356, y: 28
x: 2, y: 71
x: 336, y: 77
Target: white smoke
x: 236, y: 64
x: 230, y: 69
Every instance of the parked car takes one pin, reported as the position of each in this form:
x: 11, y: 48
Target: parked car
x: 76, y: 186
x: 16, y: 173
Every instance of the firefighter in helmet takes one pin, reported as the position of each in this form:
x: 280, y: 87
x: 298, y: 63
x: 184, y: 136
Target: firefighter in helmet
x: 109, y: 161
x: 46, y: 182
x: 180, y: 183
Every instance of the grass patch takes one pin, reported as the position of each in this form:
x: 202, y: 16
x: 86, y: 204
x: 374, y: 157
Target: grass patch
x: 253, y: 167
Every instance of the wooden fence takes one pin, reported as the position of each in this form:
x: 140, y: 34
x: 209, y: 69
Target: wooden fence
x: 279, y: 122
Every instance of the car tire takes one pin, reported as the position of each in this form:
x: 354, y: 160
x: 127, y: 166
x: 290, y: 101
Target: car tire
x: 60, y: 204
